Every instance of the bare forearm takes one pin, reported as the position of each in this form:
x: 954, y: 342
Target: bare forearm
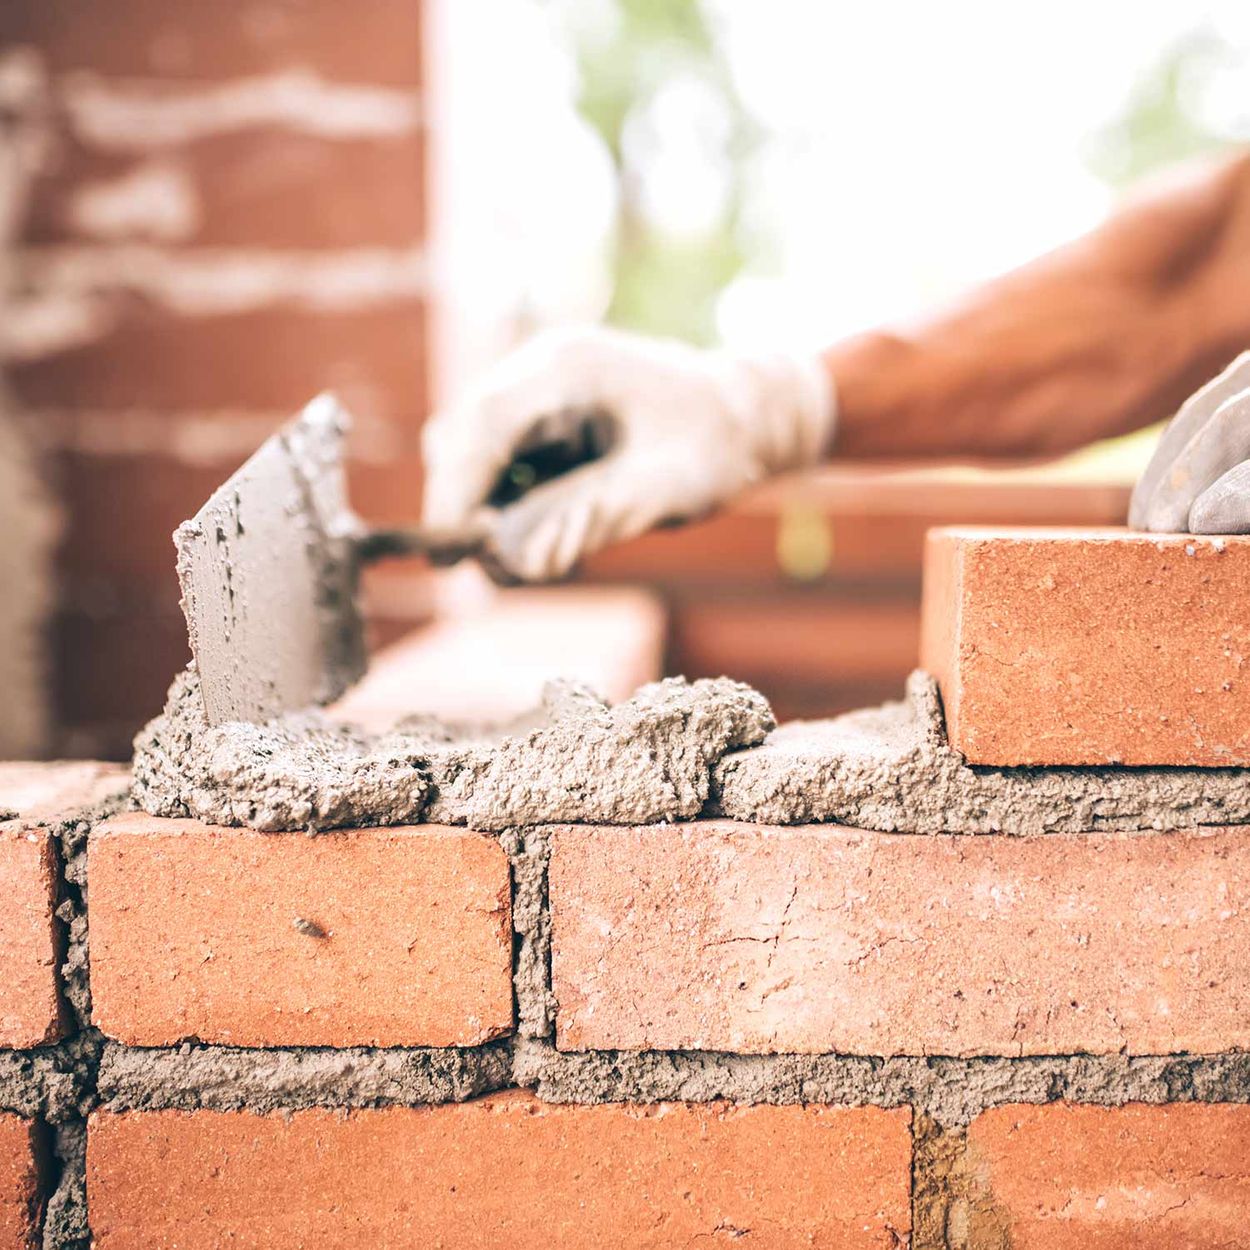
x: 1103, y: 336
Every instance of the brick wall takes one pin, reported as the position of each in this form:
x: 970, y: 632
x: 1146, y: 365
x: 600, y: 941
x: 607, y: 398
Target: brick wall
x: 716, y: 1030
x: 226, y: 215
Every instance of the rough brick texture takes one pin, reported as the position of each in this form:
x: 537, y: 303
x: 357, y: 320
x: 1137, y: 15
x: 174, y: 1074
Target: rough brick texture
x: 20, y: 1198
x: 734, y: 937
x: 385, y: 937
x: 1114, y: 1178
x: 33, y: 796
x: 1090, y: 646
x: 505, y: 1171
x: 30, y: 1007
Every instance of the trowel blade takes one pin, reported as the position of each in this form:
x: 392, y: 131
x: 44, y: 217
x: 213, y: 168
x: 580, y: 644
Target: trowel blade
x: 268, y: 570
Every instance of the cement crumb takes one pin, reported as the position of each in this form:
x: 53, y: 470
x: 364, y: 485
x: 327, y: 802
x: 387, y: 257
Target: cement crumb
x: 53, y: 1083
x: 298, y: 771
x: 529, y: 854
x: 224, y: 1078
x: 65, y: 1225
x: 891, y: 769
x: 576, y: 760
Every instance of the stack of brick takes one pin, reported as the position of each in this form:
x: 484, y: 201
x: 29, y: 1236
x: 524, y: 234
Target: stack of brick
x: 713, y: 1030
x: 227, y: 214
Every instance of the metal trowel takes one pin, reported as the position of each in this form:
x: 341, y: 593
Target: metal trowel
x: 269, y: 566
x: 269, y: 569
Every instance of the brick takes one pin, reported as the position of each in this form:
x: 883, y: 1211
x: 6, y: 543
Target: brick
x: 828, y: 639
x: 502, y: 1172
x: 1115, y: 1178
x: 1090, y: 646
x: 724, y: 936
x: 217, y: 942
x: 49, y: 792
x: 875, y: 523
x: 33, y: 795
x: 150, y: 358
x: 259, y: 186
x: 374, y: 41
x: 491, y: 665
x: 21, y: 1202
x: 30, y: 1003
x: 113, y: 671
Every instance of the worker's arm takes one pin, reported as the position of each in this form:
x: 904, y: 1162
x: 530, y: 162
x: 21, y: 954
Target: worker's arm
x: 1105, y: 335
x: 1099, y: 337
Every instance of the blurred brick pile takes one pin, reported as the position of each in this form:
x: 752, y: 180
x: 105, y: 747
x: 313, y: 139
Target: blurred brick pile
x: 226, y: 215
x: 809, y: 589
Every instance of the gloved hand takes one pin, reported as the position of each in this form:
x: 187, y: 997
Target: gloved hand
x: 1198, y: 480
x: 685, y: 430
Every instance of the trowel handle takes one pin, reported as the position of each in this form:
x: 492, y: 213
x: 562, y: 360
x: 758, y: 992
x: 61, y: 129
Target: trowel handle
x: 438, y: 547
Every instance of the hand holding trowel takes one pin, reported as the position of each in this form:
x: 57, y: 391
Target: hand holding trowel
x: 269, y: 567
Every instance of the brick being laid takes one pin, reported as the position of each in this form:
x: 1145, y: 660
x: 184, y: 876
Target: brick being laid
x: 506, y: 1170
x: 1090, y: 646
x: 362, y: 937
x: 754, y: 939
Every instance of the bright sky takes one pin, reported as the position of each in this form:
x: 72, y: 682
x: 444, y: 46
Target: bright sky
x: 915, y: 148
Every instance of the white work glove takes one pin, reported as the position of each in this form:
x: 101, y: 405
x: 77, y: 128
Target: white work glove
x: 687, y: 430
x: 1198, y: 480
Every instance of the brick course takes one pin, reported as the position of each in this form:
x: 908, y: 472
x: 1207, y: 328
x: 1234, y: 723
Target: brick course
x: 20, y: 1197
x: 504, y: 1171
x: 1090, y: 646
x: 383, y: 937
x: 733, y: 937
x: 1115, y: 1178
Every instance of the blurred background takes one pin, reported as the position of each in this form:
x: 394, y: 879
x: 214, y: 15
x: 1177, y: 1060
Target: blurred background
x: 209, y: 212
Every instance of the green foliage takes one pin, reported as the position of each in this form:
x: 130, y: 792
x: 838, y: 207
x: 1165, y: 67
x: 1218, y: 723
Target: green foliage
x: 1161, y: 123
x: 626, y: 51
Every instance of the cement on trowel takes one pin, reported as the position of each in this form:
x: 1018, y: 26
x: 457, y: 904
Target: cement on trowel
x: 268, y: 573
x: 891, y: 769
x: 577, y: 759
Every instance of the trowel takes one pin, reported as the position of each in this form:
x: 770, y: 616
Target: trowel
x: 269, y: 567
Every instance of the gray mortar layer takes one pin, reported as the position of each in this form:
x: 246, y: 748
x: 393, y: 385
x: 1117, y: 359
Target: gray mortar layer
x: 952, y: 1091
x: 223, y: 1078
x: 891, y: 769
x: 577, y: 760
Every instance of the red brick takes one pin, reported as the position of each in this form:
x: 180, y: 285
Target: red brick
x: 1090, y: 646
x: 828, y: 639
x: 374, y: 41
x: 113, y: 672
x: 875, y: 523
x: 468, y: 667
x: 272, y: 358
x: 417, y: 945
x: 50, y: 792
x: 734, y: 937
x: 30, y: 1006
x: 1116, y: 1178
x: 21, y: 1202
x: 505, y: 1172
x: 262, y: 186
